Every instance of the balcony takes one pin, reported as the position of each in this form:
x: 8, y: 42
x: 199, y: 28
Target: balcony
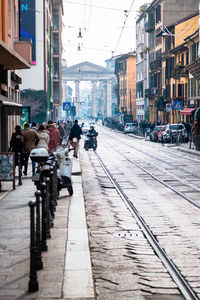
x: 194, y: 68
x: 156, y: 65
x: 24, y: 48
x: 179, y: 71
x: 12, y: 59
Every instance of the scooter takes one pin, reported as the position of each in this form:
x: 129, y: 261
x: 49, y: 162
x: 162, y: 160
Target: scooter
x: 63, y: 162
x: 90, y: 141
x: 64, y: 170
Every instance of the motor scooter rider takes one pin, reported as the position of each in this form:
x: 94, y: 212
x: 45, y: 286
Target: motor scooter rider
x: 92, y: 132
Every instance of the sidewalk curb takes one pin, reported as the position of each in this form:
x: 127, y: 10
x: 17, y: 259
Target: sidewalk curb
x: 188, y: 151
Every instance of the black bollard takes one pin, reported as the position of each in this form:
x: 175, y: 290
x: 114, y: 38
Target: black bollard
x: 49, y: 218
x: 20, y: 168
x: 51, y: 192
x: 44, y: 246
x: 38, y: 242
x: 33, y: 283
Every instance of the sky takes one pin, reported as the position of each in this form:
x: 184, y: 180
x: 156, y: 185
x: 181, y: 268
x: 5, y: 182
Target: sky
x: 108, y: 27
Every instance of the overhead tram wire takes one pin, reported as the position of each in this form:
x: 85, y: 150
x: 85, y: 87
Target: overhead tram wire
x: 118, y: 9
x: 126, y: 17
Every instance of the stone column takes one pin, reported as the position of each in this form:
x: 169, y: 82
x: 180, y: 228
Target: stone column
x: 77, y: 98
x: 109, y: 98
x: 94, y: 98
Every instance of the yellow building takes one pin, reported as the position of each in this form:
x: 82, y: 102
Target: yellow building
x: 175, y: 76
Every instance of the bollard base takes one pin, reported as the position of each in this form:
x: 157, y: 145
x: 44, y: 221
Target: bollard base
x: 33, y: 286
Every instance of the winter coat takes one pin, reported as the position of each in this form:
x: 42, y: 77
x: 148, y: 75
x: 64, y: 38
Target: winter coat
x: 44, y: 139
x: 76, y: 132
x: 195, y: 130
x: 55, y: 139
x: 30, y: 140
x: 16, y: 145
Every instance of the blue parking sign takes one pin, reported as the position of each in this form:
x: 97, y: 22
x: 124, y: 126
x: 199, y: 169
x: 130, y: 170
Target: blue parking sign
x: 66, y: 105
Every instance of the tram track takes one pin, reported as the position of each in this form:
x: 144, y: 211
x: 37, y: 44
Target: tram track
x: 161, y: 160
x: 175, y: 274
x: 178, y: 192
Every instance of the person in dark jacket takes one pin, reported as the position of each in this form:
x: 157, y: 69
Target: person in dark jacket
x: 16, y: 145
x: 75, y: 132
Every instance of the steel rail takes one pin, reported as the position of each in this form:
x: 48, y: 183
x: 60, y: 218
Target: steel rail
x: 161, y: 160
x: 181, y: 283
x: 190, y: 200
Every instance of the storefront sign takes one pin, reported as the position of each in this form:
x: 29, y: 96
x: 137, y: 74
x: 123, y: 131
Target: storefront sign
x: 27, y: 24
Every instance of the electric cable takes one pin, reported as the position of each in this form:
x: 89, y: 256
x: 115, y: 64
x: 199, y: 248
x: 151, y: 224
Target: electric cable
x: 126, y: 17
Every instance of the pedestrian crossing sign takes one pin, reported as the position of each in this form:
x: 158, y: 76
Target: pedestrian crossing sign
x: 66, y: 105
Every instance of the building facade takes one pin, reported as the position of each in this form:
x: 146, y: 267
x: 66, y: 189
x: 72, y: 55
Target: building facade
x: 160, y: 15
x: 15, y: 55
x: 46, y: 70
x: 125, y: 70
x: 142, y: 69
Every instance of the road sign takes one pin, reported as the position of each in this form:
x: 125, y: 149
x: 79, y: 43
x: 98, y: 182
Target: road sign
x: 168, y: 107
x: 66, y: 105
x: 178, y: 105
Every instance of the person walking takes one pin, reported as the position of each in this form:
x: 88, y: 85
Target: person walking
x: 75, y: 132
x: 195, y: 131
x: 30, y: 140
x: 61, y: 129
x: 16, y: 144
x: 44, y: 138
x: 55, y: 138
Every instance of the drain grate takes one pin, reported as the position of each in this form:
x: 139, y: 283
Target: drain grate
x: 128, y: 234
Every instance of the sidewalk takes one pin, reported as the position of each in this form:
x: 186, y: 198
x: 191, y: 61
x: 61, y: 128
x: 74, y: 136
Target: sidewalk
x: 66, y: 272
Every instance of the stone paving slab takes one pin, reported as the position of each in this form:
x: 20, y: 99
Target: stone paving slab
x: 15, y: 241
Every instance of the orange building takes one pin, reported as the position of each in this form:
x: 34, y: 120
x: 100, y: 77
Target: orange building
x: 14, y: 55
x: 125, y: 69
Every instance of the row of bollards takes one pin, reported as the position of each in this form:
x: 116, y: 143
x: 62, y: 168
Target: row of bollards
x: 42, y: 213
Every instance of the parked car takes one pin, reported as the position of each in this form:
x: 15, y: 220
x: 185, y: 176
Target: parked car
x: 154, y: 134
x: 171, y: 131
x: 85, y: 128
x: 130, y: 128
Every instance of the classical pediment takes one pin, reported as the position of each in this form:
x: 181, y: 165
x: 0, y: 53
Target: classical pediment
x: 84, y: 67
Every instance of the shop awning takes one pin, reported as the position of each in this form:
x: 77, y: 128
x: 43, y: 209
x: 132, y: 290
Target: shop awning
x: 10, y: 59
x: 10, y: 108
x: 187, y: 111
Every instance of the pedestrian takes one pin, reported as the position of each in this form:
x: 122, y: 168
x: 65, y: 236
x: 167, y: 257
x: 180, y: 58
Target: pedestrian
x: 195, y: 131
x: 34, y: 126
x: 75, y: 132
x: 61, y: 129
x: 16, y: 144
x: 44, y: 138
x: 55, y: 138
x: 30, y: 140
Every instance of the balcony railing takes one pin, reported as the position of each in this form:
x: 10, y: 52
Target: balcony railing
x: 156, y: 64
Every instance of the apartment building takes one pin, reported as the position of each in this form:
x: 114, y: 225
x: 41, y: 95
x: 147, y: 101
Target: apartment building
x: 162, y: 13
x: 46, y: 70
x: 15, y: 55
x: 125, y: 70
x: 142, y: 69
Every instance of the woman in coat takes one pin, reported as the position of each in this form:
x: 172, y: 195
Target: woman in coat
x: 44, y: 138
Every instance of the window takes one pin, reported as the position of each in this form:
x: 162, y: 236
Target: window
x: 182, y: 59
x: 187, y: 58
x: 158, y: 14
